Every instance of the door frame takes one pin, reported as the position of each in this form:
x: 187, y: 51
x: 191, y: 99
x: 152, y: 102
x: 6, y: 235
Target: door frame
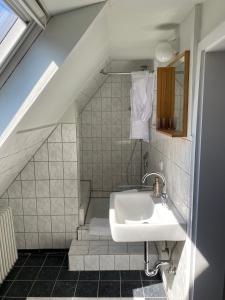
x: 206, y: 45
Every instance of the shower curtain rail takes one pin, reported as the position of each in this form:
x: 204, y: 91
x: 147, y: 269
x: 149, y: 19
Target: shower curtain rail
x: 120, y: 73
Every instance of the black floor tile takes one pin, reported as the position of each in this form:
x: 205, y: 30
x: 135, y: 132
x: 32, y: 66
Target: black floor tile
x: 109, y: 289
x: 28, y: 273
x: 64, y: 289
x: 109, y: 275
x: 66, y: 261
x: 131, y: 289
x: 153, y: 289
x: 89, y: 275
x: 42, y: 289
x: 21, y: 259
x: 130, y: 275
x: 65, y: 274
x: 19, y: 289
x: 4, y: 287
x: 35, y: 260
x: 13, y: 273
x: 54, y: 259
x: 158, y: 277
x: 48, y: 273
x: 86, y: 289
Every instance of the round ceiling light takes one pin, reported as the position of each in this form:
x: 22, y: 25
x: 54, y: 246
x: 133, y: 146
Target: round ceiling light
x: 164, y: 52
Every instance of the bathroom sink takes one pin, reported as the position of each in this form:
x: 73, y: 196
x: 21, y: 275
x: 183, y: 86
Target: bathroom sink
x: 138, y: 216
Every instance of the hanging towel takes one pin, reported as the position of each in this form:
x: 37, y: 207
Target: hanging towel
x: 141, y: 99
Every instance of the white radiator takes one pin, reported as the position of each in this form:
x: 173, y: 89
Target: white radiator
x: 8, y: 251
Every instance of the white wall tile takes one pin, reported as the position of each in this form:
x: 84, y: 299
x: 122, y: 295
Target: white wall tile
x: 14, y: 190
x: 56, y: 188
x: 59, y: 240
x: 69, y: 132
x: 107, y: 262
x: 76, y: 262
x: 56, y: 135
x: 31, y: 240
x: 30, y: 223
x: 56, y: 170
x: 43, y: 206
x: 91, y: 262
x: 30, y: 206
x: 45, y: 240
x: 58, y: 223
x: 122, y: 262
x: 55, y: 151
x: 18, y: 223
x: 69, y: 151
x: 57, y: 206
x: 41, y: 170
x: 42, y: 188
x: 44, y: 224
x: 70, y: 188
x: 28, y: 189
x: 71, y: 206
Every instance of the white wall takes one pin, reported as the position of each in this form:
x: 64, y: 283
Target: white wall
x: 213, y: 13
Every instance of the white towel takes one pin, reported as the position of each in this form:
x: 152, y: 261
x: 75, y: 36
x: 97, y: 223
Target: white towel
x: 141, y: 99
x: 99, y: 226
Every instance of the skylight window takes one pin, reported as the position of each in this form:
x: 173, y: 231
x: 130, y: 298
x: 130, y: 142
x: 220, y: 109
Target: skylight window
x: 12, y: 28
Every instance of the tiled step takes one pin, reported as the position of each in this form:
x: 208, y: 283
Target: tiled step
x: 83, y: 235
x: 108, y: 255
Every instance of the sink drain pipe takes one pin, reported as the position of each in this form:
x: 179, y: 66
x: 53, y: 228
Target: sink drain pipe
x: 154, y: 271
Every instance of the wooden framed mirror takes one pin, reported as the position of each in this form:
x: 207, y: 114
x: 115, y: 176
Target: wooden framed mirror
x: 172, y: 96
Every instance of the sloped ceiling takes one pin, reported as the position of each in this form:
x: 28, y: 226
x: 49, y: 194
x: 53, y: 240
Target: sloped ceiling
x: 54, y: 7
x: 51, y: 76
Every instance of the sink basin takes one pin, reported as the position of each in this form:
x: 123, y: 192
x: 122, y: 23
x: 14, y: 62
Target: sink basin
x: 138, y: 216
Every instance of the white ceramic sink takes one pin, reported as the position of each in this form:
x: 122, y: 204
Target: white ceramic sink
x: 137, y: 216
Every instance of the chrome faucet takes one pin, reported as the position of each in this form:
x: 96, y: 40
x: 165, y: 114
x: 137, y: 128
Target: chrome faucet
x: 164, y: 194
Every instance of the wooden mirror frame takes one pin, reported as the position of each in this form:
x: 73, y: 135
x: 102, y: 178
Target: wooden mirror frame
x: 166, y: 95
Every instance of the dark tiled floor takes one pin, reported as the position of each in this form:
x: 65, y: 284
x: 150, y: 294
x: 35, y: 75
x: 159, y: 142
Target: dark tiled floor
x: 45, y: 274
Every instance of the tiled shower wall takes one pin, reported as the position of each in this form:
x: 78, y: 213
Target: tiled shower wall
x: 45, y: 195
x: 174, y: 155
x: 105, y: 147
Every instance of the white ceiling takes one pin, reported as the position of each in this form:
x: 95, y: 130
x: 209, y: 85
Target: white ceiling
x: 135, y: 26
x: 54, y: 7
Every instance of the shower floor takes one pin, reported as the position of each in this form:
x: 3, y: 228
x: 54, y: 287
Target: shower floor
x: 46, y: 274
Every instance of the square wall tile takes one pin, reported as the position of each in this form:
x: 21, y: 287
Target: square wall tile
x: 55, y: 151
x: 59, y: 240
x: 56, y: 188
x: 20, y: 241
x: 70, y: 170
x: 31, y: 240
x: 57, y: 206
x: 107, y: 262
x: 71, y: 206
x: 91, y: 262
x: 56, y: 170
x: 45, y: 240
x: 122, y: 262
x: 58, y: 223
x: 30, y: 206
x: 41, y: 170
x: 42, y: 188
x: 18, y: 224
x: 71, y: 188
x: 69, y: 132
x: 69, y: 151
x: 44, y: 224
x: 28, y: 189
x: 30, y: 223
x: 43, y: 206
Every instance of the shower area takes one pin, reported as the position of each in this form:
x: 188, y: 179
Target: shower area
x: 109, y: 160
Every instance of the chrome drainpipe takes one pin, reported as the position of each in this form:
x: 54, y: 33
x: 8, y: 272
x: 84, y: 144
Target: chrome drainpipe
x: 154, y: 271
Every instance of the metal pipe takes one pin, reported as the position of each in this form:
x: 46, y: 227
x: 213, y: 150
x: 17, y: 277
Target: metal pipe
x: 154, y: 271
x: 120, y: 73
